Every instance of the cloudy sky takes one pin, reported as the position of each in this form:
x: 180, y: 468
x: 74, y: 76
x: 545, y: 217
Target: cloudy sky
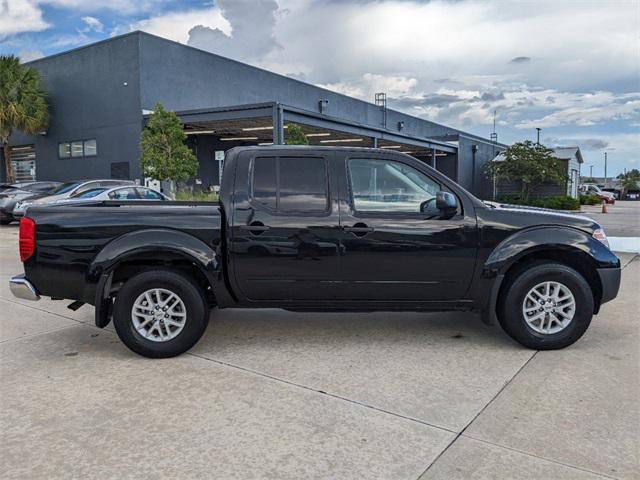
x: 570, y: 67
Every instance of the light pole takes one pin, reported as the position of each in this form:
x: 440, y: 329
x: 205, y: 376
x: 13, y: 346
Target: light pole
x: 591, y: 171
x: 538, y: 140
x: 605, y: 169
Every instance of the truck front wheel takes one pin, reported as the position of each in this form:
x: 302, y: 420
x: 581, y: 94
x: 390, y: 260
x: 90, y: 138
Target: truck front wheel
x: 546, y: 306
x: 160, y: 313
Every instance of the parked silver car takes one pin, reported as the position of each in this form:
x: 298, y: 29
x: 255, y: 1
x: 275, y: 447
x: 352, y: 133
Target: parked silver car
x: 68, y: 190
x: 11, y: 194
x: 102, y: 193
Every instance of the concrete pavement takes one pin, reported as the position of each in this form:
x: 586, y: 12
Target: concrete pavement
x: 280, y: 395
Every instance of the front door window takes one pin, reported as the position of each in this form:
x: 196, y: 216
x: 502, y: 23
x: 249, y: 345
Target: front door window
x: 387, y: 186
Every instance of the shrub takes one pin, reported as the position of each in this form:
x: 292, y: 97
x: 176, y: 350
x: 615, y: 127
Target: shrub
x: 561, y: 202
x: 187, y: 196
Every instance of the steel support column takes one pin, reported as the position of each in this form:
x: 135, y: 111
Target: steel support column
x: 278, y: 125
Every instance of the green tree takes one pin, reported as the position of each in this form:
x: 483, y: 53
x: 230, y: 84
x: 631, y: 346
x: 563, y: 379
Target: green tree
x: 629, y: 180
x: 23, y: 104
x: 295, y: 135
x: 634, y: 172
x: 529, y: 165
x: 164, y: 156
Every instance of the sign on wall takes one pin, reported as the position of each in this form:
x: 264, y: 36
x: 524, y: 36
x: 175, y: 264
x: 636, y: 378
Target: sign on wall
x: 219, y: 156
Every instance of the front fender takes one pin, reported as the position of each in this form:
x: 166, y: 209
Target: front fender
x: 530, y: 240
x: 526, y: 242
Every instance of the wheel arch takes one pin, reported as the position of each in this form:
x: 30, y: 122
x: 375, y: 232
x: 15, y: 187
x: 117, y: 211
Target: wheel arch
x: 570, y: 246
x: 135, y: 252
x: 574, y: 258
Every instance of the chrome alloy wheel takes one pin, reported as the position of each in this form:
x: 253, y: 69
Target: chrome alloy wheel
x: 158, y: 315
x: 549, y: 307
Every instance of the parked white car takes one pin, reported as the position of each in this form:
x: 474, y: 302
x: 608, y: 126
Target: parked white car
x: 592, y: 189
x: 121, y: 192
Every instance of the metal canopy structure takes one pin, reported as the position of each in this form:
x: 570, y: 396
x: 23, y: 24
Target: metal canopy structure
x: 266, y: 124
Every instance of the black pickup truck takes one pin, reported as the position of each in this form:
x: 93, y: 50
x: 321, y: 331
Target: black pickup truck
x: 319, y: 229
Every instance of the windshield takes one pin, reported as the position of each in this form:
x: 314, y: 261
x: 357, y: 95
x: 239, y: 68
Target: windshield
x: 89, y: 193
x: 64, y: 188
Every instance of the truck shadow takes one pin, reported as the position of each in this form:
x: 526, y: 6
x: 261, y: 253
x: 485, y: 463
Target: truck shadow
x: 230, y: 330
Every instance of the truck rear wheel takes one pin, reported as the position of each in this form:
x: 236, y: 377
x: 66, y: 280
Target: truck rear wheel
x: 160, y: 313
x: 546, y: 306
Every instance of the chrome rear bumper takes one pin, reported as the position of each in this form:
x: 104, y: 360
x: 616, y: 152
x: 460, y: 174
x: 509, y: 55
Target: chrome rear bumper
x: 22, y: 288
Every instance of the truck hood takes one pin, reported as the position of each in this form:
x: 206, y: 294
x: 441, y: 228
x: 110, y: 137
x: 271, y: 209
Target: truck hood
x: 547, y: 216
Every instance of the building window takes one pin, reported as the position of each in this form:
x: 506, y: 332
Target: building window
x: 90, y: 148
x: 64, y: 150
x: 78, y: 148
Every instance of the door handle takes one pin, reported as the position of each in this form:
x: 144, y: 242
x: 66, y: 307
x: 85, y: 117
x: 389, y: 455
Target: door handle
x: 255, y: 227
x: 359, y: 229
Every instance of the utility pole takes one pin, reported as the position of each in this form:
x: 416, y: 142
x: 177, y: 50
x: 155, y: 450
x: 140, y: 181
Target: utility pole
x: 590, y: 171
x: 605, y: 169
x: 538, y: 140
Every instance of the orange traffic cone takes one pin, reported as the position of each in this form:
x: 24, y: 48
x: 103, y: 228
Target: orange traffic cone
x: 604, y: 206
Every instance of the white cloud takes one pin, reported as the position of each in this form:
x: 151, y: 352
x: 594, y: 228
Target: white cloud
x: 29, y: 55
x: 252, y: 33
x: 17, y: 16
x: 370, y: 84
x: 176, y: 25
x: 93, y: 24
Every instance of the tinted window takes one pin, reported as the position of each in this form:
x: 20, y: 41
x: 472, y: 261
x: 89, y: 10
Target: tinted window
x: 90, y: 193
x: 264, y: 181
x: 387, y: 186
x: 291, y: 184
x: 88, y: 186
x: 123, y: 194
x: 64, y: 188
x: 303, y: 184
x: 43, y: 187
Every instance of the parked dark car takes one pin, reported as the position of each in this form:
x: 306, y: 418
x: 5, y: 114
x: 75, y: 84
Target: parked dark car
x: 17, y: 192
x: 319, y: 229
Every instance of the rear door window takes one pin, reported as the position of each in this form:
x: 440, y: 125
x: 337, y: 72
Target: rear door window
x: 124, y: 194
x: 148, y: 194
x: 291, y: 184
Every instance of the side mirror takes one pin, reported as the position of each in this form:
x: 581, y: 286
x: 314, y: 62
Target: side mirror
x: 446, y: 202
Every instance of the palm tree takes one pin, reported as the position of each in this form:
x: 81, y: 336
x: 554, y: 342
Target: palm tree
x: 23, y: 104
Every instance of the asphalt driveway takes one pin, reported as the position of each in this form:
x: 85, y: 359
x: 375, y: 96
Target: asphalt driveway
x: 274, y: 394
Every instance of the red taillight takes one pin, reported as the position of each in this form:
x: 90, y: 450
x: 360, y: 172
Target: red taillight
x: 27, y: 238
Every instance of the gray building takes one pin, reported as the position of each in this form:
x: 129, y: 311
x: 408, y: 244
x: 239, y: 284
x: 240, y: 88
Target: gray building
x: 101, y: 94
x: 571, y: 159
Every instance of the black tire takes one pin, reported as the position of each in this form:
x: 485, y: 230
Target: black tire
x: 5, y: 221
x: 518, y: 285
x: 197, y: 313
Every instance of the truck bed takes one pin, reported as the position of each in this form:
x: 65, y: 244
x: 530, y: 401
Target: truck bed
x: 70, y: 237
